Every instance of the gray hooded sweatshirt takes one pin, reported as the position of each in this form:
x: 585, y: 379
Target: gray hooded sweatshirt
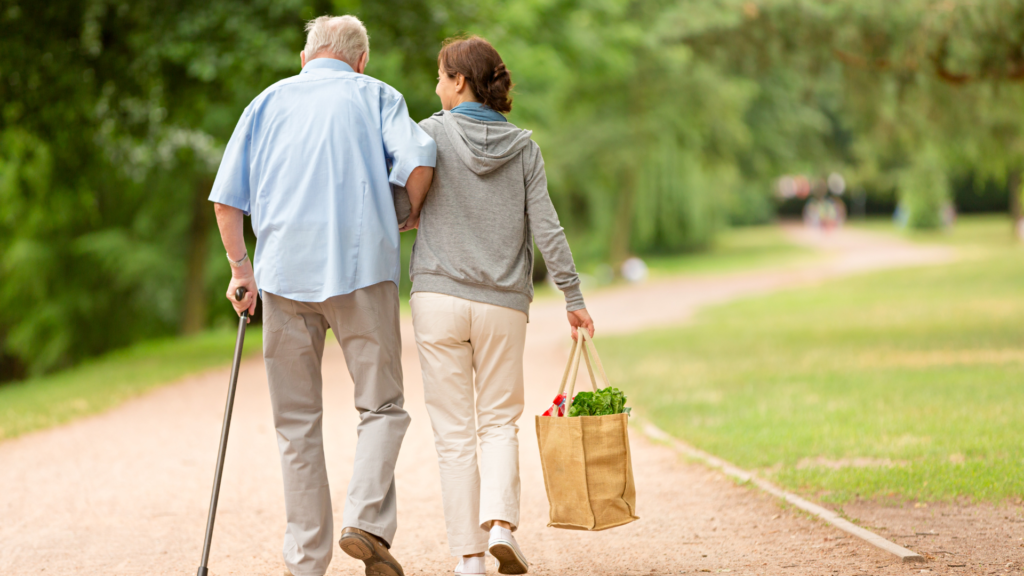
x: 487, y: 205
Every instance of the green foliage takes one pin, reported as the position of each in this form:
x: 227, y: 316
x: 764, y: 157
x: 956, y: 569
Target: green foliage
x: 602, y: 402
x: 639, y: 136
x: 863, y: 86
x: 901, y: 384
x: 924, y: 189
x: 113, y: 115
x: 112, y: 121
x: 660, y: 121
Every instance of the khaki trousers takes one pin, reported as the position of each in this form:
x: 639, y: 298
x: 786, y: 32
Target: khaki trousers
x: 458, y: 339
x: 366, y: 325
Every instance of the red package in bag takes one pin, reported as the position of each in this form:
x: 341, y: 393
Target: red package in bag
x: 557, y: 408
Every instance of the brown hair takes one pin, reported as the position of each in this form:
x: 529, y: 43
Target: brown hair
x: 482, y: 67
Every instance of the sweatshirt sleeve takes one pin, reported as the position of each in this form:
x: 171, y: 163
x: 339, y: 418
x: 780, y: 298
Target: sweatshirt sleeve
x: 547, y: 230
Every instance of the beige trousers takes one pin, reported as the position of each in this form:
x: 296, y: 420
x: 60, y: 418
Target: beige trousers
x: 366, y: 325
x: 458, y: 339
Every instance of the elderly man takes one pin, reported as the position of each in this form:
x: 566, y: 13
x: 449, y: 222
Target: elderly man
x: 309, y: 160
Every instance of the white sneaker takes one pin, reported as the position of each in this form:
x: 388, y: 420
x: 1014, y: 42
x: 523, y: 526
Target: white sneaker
x: 506, y: 551
x: 472, y: 566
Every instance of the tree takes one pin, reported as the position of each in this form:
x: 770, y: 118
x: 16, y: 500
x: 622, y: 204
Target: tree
x: 113, y: 120
x: 110, y: 137
x: 902, y: 80
x: 660, y: 121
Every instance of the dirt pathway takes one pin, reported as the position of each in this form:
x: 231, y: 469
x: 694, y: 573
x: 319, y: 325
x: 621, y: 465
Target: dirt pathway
x: 126, y: 492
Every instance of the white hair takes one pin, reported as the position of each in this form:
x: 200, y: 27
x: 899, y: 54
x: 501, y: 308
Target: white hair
x: 343, y: 36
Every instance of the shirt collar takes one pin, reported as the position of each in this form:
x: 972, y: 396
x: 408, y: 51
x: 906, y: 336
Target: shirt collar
x: 478, y: 111
x: 326, y: 64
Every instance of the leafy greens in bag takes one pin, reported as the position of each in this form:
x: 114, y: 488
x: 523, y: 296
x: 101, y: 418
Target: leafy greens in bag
x: 605, y: 401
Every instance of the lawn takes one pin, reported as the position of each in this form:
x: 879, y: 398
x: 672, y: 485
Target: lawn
x: 900, y: 385
x: 975, y: 233
x: 735, y: 249
x: 107, y: 381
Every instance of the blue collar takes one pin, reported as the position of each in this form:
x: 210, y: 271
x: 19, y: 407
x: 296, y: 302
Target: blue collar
x: 326, y: 64
x: 478, y: 111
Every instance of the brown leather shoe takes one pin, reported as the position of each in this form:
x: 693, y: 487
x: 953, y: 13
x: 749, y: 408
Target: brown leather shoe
x: 371, y: 550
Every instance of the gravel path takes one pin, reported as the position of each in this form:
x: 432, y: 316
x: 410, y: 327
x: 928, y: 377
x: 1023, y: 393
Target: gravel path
x: 126, y: 492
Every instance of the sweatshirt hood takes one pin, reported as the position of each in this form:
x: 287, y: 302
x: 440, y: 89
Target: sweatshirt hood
x: 483, y: 146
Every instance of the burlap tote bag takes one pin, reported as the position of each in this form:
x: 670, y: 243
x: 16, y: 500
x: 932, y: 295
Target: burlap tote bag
x: 587, y: 469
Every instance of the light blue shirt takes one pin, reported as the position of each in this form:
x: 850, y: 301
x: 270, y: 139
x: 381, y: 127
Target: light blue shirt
x: 309, y: 161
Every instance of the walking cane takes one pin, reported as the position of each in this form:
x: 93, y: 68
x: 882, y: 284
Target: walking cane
x: 243, y: 320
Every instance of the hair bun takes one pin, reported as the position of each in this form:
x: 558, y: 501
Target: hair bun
x: 499, y: 71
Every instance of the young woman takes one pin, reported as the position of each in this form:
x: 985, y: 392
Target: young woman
x: 472, y: 286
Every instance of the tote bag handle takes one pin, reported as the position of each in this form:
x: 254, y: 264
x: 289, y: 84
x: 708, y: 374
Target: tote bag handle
x: 583, y: 345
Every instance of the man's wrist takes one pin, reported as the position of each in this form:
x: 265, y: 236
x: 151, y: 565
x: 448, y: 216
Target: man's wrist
x: 243, y: 272
x: 240, y: 261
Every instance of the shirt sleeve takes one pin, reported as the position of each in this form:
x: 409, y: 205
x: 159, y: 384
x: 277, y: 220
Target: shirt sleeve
x: 231, y: 187
x: 405, y: 143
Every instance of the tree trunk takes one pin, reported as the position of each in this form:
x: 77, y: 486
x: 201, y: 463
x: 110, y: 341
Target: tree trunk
x: 1015, y: 208
x: 193, y: 317
x: 11, y: 366
x: 622, y: 224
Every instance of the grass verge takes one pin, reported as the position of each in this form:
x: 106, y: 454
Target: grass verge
x: 746, y: 248
x: 107, y: 381
x: 902, y: 384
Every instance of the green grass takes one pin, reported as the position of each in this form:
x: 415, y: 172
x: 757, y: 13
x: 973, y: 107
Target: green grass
x: 735, y: 249
x: 974, y: 232
x: 107, y: 381
x: 917, y: 373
